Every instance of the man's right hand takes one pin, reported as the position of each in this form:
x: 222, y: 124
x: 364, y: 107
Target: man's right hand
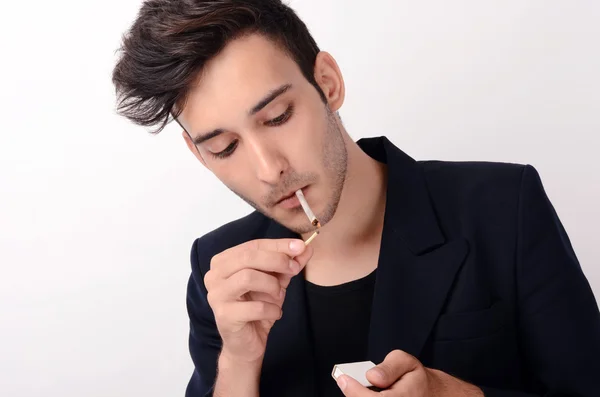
x: 246, y: 288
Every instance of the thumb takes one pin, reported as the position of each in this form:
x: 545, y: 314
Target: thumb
x: 351, y: 388
x: 302, y: 260
x: 305, y: 256
x: 395, y: 365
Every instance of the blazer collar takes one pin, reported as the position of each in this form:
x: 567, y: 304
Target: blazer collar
x: 409, y: 214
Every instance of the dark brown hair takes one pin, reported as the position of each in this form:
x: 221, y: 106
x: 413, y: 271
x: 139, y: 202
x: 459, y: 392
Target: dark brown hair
x: 171, y: 40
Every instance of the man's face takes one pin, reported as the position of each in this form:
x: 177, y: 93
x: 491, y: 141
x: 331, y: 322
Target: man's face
x: 264, y: 131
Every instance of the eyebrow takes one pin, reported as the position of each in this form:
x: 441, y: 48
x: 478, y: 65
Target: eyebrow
x: 257, y: 108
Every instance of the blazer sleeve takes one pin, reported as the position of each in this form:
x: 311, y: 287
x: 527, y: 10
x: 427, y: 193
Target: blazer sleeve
x: 559, y: 322
x: 204, y: 339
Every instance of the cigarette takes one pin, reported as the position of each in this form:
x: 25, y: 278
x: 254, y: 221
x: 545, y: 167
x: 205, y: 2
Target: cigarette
x: 311, y: 216
x: 311, y: 238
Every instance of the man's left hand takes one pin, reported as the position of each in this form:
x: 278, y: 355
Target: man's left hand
x: 401, y: 374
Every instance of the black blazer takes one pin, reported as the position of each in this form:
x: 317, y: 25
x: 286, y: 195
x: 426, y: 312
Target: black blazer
x: 476, y: 277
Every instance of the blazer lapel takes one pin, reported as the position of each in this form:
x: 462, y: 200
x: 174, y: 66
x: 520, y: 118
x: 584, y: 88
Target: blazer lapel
x: 417, y: 266
x: 288, y: 366
x: 410, y: 292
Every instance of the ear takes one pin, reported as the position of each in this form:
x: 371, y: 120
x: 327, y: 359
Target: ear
x: 329, y: 77
x: 193, y: 147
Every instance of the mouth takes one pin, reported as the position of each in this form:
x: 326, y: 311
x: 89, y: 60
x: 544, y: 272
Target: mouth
x: 289, y: 195
x: 290, y: 200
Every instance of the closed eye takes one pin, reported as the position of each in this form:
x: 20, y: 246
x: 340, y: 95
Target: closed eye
x: 227, y: 151
x: 282, y: 119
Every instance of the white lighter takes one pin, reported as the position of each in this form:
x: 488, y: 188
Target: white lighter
x: 356, y: 370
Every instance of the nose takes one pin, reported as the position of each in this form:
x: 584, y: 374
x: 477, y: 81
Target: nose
x: 268, y: 162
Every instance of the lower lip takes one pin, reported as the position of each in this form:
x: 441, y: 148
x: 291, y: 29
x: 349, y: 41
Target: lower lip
x: 291, y: 202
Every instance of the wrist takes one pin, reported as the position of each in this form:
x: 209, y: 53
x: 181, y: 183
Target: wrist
x: 236, y: 377
x: 231, y: 361
x: 444, y: 385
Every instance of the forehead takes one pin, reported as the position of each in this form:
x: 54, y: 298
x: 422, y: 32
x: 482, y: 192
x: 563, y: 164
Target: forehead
x: 231, y: 83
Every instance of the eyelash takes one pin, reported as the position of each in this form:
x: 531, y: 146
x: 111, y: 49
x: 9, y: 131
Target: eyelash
x: 227, y: 152
x: 277, y: 121
x: 282, y: 119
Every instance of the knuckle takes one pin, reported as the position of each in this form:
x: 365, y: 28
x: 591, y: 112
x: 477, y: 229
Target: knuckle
x: 386, y: 370
x: 254, y: 245
x: 272, y: 282
x: 248, y: 256
x: 215, y: 260
x: 208, y: 278
x: 261, y: 308
x: 264, y: 309
x: 418, y: 364
x: 246, y: 277
x: 219, y: 313
x: 396, y: 355
x: 411, y: 359
x: 284, y: 261
x: 276, y: 291
x: 210, y: 298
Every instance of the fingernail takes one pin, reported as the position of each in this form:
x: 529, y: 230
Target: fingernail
x: 341, y: 381
x: 296, y: 246
x: 377, y: 373
x: 294, y: 266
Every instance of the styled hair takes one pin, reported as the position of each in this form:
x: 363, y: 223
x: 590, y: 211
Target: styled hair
x: 170, y: 41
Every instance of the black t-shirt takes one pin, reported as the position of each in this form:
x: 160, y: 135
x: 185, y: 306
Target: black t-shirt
x: 339, y: 318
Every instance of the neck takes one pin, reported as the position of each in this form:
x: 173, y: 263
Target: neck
x: 358, y: 220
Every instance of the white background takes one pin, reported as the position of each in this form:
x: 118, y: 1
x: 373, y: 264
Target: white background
x: 97, y: 217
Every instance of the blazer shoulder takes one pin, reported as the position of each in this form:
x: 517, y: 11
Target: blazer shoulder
x: 476, y: 190
x: 475, y: 176
x: 236, y: 232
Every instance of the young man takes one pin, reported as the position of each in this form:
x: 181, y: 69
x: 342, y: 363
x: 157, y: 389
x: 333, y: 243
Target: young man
x: 457, y: 279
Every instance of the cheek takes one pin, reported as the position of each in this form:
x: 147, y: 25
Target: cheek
x: 307, y: 133
x: 233, y: 176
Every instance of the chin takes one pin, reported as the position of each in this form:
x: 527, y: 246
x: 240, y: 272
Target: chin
x: 294, y: 220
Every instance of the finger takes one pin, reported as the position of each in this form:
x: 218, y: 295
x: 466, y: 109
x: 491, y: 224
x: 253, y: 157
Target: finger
x: 289, y: 246
x: 240, y: 313
x: 351, y: 388
x: 302, y: 260
x: 244, y: 281
x: 284, y: 279
x: 395, y: 365
x: 261, y: 296
x: 228, y: 263
x: 305, y: 256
